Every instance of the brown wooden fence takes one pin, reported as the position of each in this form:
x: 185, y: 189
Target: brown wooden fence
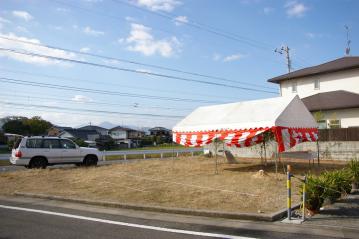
x: 344, y: 134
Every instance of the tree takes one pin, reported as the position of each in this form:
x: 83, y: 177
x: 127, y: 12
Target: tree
x: 24, y: 126
x: 37, y: 125
x: 16, y: 126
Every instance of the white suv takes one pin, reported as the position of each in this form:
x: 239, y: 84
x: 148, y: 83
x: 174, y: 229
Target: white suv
x: 39, y: 152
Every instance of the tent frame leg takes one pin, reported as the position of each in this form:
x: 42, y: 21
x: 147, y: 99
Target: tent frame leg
x: 318, y: 153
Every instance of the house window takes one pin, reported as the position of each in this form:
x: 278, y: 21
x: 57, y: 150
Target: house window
x: 294, y: 87
x: 322, y: 124
x: 334, y: 124
x: 316, y: 84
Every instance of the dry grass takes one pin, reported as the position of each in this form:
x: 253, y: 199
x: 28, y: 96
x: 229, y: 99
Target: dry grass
x: 185, y: 183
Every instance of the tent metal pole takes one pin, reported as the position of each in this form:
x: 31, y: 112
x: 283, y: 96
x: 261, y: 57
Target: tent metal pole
x: 216, y: 157
x: 318, y: 151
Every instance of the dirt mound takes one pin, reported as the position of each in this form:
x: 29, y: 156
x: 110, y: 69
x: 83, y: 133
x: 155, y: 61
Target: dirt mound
x: 260, y: 174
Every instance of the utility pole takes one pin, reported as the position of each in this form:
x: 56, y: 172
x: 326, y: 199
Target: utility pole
x: 347, y: 49
x: 285, y: 50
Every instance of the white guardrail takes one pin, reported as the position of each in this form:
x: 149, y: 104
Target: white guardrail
x: 175, y: 152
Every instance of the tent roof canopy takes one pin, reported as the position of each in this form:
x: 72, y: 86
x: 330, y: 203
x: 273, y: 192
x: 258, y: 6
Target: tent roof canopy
x: 279, y: 111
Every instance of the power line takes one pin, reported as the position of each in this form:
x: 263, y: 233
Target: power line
x: 216, y: 31
x: 101, y: 83
x: 105, y: 92
x: 135, y: 71
x: 80, y: 113
x: 92, y: 111
x: 201, y: 26
x: 91, y: 102
x: 133, y: 62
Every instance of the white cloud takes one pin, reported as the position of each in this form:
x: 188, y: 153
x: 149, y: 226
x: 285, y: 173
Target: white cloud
x: 229, y: 58
x: 81, y: 99
x: 130, y: 19
x: 88, y: 30
x: 85, y: 49
x: 295, y: 9
x: 216, y: 57
x: 93, y: 1
x: 158, y: 5
x: 58, y: 28
x: 250, y: 1
x: 121, y: 40
x: 112, y: 61
x: 181, y: 20
x: 141, y: 40
x: 143, y: 70
x: 34, y: 49
x: 268, y: 10
x: 234, y: 57
x: 62, y: 9
x: 22, y: 29
x: 3, y: 20
x: 312, y: 35
x: 23, y: 15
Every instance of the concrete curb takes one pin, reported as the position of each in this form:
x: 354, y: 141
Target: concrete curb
x: 216, y: 214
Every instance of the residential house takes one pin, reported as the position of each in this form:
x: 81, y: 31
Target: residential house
x: 89, y: 136
x: 57, y: 130
x: 329, y: 90
x: 126, y: 136
x: 160, y: 131
x: 100, y: 130
x: 161, y: 135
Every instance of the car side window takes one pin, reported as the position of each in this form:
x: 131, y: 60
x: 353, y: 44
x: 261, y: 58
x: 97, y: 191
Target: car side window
x: 51, y: 144
x: 67, y: 144
x: 33, y: 143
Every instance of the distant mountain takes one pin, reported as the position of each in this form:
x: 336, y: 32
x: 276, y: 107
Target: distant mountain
x: 107, y: 125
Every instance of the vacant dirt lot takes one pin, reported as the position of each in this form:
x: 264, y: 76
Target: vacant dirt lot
x: 185, y: 183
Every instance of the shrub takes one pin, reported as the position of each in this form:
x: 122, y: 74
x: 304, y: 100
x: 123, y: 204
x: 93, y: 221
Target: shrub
x: 353, y: 169
x: 328, y: 185
x: 336, y: 182
x: 315, y: 189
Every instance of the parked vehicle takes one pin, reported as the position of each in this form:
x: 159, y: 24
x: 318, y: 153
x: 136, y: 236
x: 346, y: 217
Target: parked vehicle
x: 39, y: 152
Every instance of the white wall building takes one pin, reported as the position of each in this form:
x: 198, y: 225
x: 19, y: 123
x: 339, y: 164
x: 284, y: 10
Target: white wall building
x: 329, y: 90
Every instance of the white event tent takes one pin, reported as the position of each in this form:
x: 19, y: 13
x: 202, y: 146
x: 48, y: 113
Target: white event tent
x: 243, y: 124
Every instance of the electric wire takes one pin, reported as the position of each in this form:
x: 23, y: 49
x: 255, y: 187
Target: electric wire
x: 134, y: 71
x: 133, y: 62
x: 140, y: 107
x: 92, y: 111
x: 101, y: 83
x: 105, y: 92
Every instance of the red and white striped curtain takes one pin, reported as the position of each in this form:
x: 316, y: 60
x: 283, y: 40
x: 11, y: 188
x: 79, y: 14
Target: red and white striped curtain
x: 285, y: 137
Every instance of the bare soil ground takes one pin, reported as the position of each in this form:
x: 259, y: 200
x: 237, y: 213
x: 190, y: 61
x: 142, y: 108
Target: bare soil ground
x: 188, y: 182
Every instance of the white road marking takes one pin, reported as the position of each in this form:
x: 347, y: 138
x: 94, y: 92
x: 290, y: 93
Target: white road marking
x: 93, y: 219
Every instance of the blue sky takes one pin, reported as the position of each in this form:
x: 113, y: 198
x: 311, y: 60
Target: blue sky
x: 234, y: 40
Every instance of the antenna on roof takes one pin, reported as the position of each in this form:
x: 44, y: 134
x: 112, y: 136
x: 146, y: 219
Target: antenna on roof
x: 347, y: 49
x: 282, y: 50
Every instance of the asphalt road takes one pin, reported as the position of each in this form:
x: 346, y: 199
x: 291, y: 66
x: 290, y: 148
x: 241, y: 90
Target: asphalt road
x: 40, y: 221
